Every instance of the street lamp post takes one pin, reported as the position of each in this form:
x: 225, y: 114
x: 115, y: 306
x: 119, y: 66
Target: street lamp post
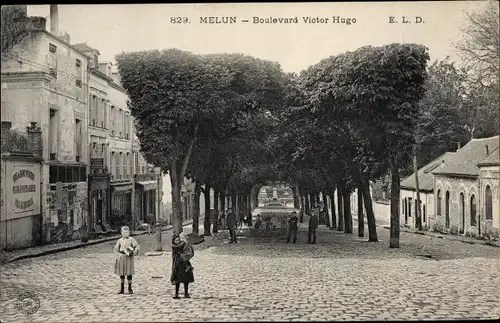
x: 158, y: 224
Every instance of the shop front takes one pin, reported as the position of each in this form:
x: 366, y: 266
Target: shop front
x: 99, y: 192
x: 121, y: 204
x: 145, y: 199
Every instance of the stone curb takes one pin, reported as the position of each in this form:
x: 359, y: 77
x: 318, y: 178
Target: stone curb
x: 483, y: 242
x: 76, y: 246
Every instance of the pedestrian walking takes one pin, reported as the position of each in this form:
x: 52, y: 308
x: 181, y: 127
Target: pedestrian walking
x: 231, y: 225
x: 292, y: 227
x: 182, y: 270
x: 126, y: 248
x: 313, y: 225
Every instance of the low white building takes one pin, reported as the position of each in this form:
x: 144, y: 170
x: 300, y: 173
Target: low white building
x: 426, y: 188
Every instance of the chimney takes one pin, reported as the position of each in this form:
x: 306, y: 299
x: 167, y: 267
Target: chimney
x: 65, y: 37
x: 459, y: 145
x: 39, y: 23
x: 6, y: 125
x: 35, y: 144
x: 487, y: 150
x: 54, y: 20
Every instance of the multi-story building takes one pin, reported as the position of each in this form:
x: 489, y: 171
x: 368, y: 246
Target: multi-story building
x: 71, y: 156
x: 44, y: 83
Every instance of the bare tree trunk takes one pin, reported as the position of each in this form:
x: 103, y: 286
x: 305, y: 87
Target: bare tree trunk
x: 370, y: 216
x: 249, y: 208
x: 234, y: 206
x: 177, y: 173
x: 325, y: 209
x: 176, y: 198
x: 340, y: 209
x: 296, y: 197
x: 196, y: 208
x: 223, y: 202
x: 308, y: 205
x: 207, y: 220
x: 395, y: 194
x: 361, y: 216
x: 418, y: 214
x: 334, y: 216
x: 215, y: 227
x: 347, y: 210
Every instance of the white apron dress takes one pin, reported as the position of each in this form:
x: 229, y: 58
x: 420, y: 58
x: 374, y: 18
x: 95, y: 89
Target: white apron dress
x: 124, y: 263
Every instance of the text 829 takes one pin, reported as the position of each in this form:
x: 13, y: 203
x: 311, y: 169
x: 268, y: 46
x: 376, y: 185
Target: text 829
x: 179, y: 20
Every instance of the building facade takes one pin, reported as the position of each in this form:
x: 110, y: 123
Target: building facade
x: 44, y: 82
x: 69, y: 164
x: 461, y: 189
x: 408, y: 205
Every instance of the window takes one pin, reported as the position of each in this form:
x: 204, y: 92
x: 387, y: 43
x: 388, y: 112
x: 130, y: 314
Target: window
x: 127, y: 117
x: 67, y: 173
x: 447, y: 209
x: 118, y: 165
x: 112, y: 164
x: 101, y: 112
x: 112, y: 122
x: 53, y: 134
x: 462, y: 212
x: 473, y: 210
x: 424, y: 214
x: 488, y: 199
x: 52, y: 58
x: 78, y: 73
x: 438, y: 202
x: 93, y: 109
x: 125, y: 165
x: 409, y: 207
x: 78, y: 139
x: 120, y: 122
x: 131, y: 163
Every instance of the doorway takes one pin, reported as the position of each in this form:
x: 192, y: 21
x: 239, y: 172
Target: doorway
x: 462, y: 213
x: 447, y: 209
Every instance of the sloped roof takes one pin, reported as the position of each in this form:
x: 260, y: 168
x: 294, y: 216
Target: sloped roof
x: 492, y: 159
x: 465, y: 160
x: 83, y: 47
x: 425, y: 177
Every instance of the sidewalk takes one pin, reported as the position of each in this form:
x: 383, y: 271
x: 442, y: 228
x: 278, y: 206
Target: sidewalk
x: 38, y: 251
x: 463, y: 239
x: 433, y: 234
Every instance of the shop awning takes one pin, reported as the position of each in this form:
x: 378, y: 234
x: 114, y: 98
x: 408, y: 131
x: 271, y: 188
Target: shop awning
x: 148, y: 185
x: 119, y: 187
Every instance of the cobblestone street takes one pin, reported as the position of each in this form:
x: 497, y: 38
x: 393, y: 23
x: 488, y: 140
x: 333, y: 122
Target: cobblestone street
x: 262, y: 279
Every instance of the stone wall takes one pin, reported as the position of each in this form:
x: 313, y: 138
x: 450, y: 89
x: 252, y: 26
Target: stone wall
x: 67, y: 216
x: 456, y: 186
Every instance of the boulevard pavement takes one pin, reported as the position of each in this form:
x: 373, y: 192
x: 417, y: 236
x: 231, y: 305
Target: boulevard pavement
x: 343, y: 277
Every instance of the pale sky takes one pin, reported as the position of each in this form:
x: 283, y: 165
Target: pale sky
x: 115, y: 28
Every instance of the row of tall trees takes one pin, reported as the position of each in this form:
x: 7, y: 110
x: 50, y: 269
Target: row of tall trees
x: 233, y: 122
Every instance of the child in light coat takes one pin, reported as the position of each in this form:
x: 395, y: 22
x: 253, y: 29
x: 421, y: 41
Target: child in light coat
x: 126, y: 248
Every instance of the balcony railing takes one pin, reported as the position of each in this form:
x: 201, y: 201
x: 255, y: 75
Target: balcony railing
x: 15, y: 141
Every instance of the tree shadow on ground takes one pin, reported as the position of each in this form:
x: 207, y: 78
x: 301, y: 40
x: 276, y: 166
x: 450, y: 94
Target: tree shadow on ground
x: 335, y: 244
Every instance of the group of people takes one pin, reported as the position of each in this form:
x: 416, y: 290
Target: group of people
x: 293, y: 227
x: 127, y: 248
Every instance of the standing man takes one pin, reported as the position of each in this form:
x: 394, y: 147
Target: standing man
x: 292, y: 227
x: 313, y: 225
x: 231, y: 225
